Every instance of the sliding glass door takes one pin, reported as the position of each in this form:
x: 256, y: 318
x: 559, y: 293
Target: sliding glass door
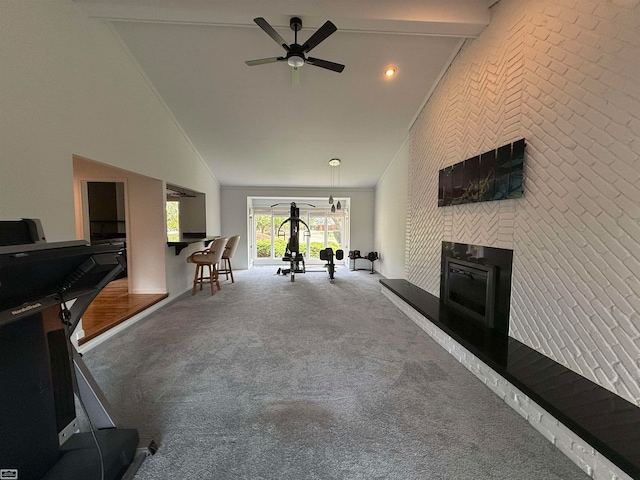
x: 271, y: 233
x: 263, y: 230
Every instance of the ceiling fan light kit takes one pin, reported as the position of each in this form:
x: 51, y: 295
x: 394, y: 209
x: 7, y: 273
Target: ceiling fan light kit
x: 295, y: 61
x: 295, y: 53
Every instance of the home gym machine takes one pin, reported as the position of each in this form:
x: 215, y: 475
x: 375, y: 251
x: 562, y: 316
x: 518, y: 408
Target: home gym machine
x: 292, y: 252
x: 41, y: 373
x: 328, y: 255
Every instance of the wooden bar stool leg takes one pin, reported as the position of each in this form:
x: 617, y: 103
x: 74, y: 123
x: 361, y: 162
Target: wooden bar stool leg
x: 216, y: 275
x: 230, y: 269
x: 195, y: 280
x: 225, y: 268
x: 211, y: 270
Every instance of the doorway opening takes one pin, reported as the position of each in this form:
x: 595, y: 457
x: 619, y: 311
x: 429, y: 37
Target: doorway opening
x: 106, y: 206
x: 113, y: 205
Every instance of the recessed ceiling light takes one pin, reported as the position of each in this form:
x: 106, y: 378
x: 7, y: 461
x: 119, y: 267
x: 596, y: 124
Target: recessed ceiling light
x: 334, y: 162
x: 390, y: 71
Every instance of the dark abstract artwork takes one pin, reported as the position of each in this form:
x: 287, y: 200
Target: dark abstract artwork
x: 494, y: 175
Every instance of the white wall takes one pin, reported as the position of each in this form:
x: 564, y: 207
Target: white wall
x: 234, y: 214
x: 145, y: 222
x: 192, y: 214
x: 68, y: 88
x: 563, y: 75
x: 390, y: 216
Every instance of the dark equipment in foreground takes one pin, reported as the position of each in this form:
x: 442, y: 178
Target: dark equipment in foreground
x: 40, y: 370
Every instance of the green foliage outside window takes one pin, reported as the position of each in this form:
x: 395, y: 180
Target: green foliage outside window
x: 173, y: 221
x: 263, y: 224
x: 264, y: 248
x: 315, y: 247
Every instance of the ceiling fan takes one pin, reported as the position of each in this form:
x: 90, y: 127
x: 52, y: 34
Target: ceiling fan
x: 296, y: 53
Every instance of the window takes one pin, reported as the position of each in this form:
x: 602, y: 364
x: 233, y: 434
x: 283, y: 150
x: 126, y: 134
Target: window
x: 281, y: 233
x: 186, y: 213
x: 318, y: 227
x: 271, y: 234
x: 335, y: 231
x: 264, y: 235
x: 173, y: 221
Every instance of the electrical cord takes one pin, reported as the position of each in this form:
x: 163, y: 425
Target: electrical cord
x: 65, y: 317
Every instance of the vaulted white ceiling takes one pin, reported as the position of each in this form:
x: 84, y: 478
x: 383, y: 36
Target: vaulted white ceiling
x: 250, y: 124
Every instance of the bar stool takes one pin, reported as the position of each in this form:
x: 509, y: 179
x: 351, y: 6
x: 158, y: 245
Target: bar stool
x: 208, y: 259
x: 229, y: 251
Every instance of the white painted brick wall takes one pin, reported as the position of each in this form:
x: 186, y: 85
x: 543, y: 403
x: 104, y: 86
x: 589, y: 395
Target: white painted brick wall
x: 580, y: 452
x: 564, y: 75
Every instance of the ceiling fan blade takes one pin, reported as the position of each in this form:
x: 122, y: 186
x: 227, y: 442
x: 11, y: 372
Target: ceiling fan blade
x: 264, y: 25
x: 295, y: 77
x: 317, y: 62
x: 323, y: 32
x: 262, y: 61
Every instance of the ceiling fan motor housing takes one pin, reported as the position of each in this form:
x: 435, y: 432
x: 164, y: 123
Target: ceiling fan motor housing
x: 295, y: 56
x: 296, y: 24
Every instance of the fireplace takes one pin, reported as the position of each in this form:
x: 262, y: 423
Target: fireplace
x: 476, y: 283
x: 470, y: 288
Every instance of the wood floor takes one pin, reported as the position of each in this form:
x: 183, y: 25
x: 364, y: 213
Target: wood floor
x: 113, y: 305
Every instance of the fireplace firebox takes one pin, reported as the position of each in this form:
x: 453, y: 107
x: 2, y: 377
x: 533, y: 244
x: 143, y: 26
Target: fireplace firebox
x: 476, y: 283
x: 470, y: 288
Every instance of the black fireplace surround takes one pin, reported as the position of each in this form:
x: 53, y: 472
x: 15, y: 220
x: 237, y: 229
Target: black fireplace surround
x: 476, y: 283
x: 601, y: 418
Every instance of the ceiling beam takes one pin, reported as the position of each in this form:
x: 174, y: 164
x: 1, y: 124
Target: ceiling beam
x: 462, y: 18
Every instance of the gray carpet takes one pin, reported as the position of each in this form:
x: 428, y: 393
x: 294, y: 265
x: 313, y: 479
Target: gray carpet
x: 270, y: 379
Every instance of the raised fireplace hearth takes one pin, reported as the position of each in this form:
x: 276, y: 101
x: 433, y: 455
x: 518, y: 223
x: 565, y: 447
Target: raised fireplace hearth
x: 593, y: 426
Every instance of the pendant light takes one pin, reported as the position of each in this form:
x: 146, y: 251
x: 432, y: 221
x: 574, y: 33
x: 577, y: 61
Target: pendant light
x: 338, y: 205
x: 333, y: 163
